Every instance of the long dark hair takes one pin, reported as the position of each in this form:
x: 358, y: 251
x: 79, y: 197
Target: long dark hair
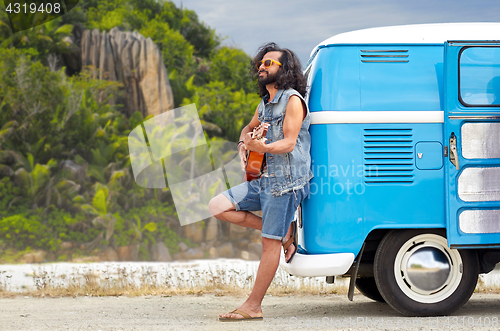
x: 289, y: 75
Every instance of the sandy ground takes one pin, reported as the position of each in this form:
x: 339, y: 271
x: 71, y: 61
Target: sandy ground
x: 192, y: 312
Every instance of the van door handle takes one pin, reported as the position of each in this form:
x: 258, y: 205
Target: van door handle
x: 453, y: 150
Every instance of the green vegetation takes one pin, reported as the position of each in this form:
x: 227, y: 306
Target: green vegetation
x: 65, y: 173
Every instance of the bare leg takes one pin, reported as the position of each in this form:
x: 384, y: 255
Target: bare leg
x: 291, y: 248
x: 223, y: 209
x: 271, y: 249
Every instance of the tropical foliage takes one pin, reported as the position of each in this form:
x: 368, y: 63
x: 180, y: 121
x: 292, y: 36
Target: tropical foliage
x: 65, y: 173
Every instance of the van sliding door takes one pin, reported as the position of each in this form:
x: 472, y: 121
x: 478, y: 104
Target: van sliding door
x: 472, y: 140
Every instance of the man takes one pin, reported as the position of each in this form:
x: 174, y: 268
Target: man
x: 285, y: 179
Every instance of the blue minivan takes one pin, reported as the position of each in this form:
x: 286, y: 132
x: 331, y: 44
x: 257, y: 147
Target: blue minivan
x: 405, y: 199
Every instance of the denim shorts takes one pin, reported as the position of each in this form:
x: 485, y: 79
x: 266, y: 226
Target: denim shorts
x: 277, y: 212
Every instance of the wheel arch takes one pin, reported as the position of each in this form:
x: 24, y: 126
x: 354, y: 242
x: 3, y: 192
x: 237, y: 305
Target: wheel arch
x: 375, y: 236
x: 372, y: 242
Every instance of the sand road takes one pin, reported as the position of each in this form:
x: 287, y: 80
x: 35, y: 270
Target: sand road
x: 190, y: 312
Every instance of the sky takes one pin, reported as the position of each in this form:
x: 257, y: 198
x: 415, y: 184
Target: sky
x: 301, y: 25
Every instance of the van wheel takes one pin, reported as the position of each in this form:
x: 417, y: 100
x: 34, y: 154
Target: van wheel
x: 419, y: 275
x: 368, y: 287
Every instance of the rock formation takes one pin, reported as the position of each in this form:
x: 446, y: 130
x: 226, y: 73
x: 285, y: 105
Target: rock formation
x: 129, y: 58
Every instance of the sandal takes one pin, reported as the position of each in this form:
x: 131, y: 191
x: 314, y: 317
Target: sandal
x: 246, y: 317
x: 291, y: 240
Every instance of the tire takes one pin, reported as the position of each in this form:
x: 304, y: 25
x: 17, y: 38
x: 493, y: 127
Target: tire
x: 417, y: 274
x: 368, y: 287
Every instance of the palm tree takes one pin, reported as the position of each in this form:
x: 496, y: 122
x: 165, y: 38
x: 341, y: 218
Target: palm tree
x: 48, y: 38
x: 100, y: 208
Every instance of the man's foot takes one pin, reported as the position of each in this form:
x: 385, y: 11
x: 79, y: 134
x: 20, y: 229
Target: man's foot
x: 243, y: 312
x: 289, y: 253
x: 289, y: 246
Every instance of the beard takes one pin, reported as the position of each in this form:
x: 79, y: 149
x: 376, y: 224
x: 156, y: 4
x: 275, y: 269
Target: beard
x: 267, y: 79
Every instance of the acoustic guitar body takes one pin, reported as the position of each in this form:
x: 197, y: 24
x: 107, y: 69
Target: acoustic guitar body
x: 254, y: 164
x: 255, y: 159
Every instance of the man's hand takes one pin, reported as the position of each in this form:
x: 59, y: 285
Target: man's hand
x: 255, y: 145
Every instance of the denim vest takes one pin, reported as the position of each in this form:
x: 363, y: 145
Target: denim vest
x: 288, y: 171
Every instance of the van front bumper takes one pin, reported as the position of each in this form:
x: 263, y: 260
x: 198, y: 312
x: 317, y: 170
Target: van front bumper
x: 317, y: 265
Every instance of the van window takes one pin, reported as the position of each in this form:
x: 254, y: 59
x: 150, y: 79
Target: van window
x: 479, y: 76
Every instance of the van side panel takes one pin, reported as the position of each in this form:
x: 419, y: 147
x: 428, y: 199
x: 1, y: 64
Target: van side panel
x: 374, y: 175
x: 335, y: 80
x: 361, y: 78
x: 354, y: 192
x: 333, y: 215
x: 413, y: 85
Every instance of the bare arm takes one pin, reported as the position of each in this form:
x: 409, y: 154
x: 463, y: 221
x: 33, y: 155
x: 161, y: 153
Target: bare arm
x: 253, y: 124
x: 294, y: 115
x: 242, y: 150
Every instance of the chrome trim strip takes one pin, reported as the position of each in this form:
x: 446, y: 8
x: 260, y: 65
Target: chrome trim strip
x: 363, y: 55
x: 474, y: 117
x: 384, y: 50
x: 384, y: 61
x: 477, y: 112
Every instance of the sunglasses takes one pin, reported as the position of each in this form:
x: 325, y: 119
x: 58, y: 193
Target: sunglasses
x: 267, y: 63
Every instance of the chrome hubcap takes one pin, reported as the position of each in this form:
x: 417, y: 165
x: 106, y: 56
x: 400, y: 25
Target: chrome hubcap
x: 427, y: 269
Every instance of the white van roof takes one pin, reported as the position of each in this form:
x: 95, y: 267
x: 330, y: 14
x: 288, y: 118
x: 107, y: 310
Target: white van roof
x: 417, y: 34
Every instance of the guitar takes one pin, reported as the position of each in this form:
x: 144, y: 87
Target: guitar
x: 255, y: 159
